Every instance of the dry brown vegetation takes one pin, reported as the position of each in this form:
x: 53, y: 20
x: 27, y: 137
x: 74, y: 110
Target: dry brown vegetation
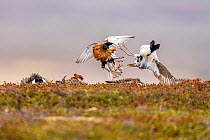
x: 105, y: 111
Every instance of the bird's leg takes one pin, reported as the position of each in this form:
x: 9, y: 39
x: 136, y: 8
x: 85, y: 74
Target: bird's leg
x: 118, y: 67
x: 120, y: 61
x: 119, y: 57
x: 114, y: 77
x: 128, y: 53
x: 112, y: 74
x: 127, y: 49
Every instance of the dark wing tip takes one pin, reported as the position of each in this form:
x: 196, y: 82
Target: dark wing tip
x: 158, y: 46
x: 154, y: 47
x: 152, y: 43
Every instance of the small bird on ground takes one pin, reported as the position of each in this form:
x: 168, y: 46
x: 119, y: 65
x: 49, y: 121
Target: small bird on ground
x: 75, y: 80
x: 147, y: 59
x: 105, y: 52
x: 33, y: 79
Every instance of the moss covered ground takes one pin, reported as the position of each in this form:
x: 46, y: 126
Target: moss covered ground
x: 105, y: 111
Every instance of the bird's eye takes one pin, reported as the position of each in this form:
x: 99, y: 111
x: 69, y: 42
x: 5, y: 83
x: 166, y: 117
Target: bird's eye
x: 140, y: 57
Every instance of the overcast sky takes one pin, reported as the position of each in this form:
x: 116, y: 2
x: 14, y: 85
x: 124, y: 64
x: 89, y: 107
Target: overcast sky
x: 47, y: 36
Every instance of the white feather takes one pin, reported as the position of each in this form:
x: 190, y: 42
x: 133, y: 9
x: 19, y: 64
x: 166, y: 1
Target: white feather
x: 33, y: 82
x: 86, y: 55
x: 112, y: 72
x: 119, y: 40
x: 44, y: 81
x: 151, y: 62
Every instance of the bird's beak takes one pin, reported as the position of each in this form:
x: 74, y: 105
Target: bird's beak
x: 129, y: 36
x: 132, y: 65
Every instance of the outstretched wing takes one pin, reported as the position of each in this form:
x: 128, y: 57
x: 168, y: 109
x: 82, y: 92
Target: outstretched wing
x: 118, y: 40
x: 87, y: 54
x: 162, y: 73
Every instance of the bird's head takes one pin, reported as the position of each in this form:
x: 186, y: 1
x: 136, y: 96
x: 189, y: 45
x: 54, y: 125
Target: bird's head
x: 137, y: 59
x: 146, y: 55
x: 106, y: 45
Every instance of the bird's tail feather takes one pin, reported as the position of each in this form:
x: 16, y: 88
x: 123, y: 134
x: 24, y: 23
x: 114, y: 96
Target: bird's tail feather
x: 165, y: 76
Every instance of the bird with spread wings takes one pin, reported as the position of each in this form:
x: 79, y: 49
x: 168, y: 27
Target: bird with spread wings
x: 147, y: 59
x: 105, y: 52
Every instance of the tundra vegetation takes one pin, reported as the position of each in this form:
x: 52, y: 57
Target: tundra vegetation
x: 105, y: 111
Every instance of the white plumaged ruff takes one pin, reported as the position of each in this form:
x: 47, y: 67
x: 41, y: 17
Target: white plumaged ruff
x: 149, y: 60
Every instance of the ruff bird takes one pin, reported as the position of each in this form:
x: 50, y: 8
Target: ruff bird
x: 105, y: 52
x: 33, y: 79
x: 147, y: 59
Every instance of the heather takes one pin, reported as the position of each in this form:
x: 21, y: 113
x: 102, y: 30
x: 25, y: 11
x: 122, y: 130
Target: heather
x: 105, y: 111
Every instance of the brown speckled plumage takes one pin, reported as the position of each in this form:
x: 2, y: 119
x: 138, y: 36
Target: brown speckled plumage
x: 165, y: 76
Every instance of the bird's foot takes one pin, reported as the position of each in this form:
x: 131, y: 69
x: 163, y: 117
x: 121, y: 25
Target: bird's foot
x: 114, y: 77
x: 118, y: 67
x: 119, y: 57
x: 120, y: 61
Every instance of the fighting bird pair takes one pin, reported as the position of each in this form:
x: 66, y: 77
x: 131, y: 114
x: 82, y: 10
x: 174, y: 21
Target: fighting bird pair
x: 146, y: 59
x: 106, y: 53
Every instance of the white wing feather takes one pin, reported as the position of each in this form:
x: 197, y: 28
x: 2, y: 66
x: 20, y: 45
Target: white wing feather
x: 87, y: 54
x: 118, y: 40
x: 110, y: 67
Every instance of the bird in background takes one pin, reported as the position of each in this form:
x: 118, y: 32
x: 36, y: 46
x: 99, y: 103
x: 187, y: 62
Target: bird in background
x: 105, y: 52
x: 148, y: 59
x: 33, y: 79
